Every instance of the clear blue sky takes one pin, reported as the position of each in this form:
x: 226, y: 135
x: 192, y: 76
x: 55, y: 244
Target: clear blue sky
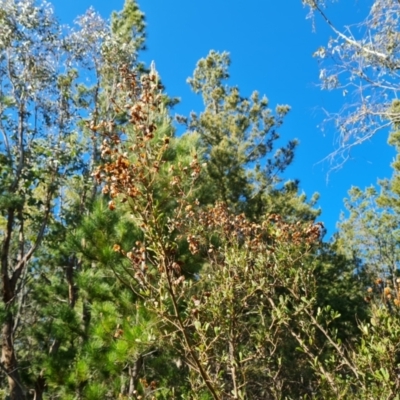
x: 271, y: 45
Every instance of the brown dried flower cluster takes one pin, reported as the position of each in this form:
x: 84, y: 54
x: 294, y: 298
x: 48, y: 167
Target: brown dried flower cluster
x: 388, y: 291
x: 133, y: 153
x: 130, y: 164
x: 253, y: 235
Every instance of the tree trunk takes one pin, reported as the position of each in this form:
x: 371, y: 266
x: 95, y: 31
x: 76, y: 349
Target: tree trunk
x: 9, y: 361
x: 8, y: 357
x: 134, y: 374
x: 40, y: 384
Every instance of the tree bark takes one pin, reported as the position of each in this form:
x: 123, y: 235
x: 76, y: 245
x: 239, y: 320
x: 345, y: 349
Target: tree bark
x: 134, y: 374
x: 9, y: 360
x: 8, y: 357
x: 39, y: 387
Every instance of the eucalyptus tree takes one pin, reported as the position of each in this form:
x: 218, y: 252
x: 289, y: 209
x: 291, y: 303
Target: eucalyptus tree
x: 361, y: 61
x: 45, y: 184
x: 36, y: 119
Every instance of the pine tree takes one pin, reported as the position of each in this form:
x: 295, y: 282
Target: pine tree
x: 237, y: 140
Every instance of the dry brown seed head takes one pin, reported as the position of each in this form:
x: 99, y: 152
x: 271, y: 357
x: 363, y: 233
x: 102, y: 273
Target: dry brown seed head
x: 117, y: 248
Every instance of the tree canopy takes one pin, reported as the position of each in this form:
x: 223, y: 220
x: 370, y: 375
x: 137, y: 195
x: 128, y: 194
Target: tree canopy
x: 137, y: 263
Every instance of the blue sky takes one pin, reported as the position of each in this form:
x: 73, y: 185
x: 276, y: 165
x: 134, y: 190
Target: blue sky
x: 271, y: 45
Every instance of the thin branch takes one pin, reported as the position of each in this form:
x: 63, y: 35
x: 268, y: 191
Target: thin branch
x: 39, y: 237
x: 346, y: 38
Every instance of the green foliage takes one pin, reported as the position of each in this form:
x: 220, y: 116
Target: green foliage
x: 341, y: 285
x: 236, y: 320
x: 128, y: 25
x: 46, y: 190
x: 199, y: 273
x: 237, y: 140
x: 369, y: 237
x: 371, y: 231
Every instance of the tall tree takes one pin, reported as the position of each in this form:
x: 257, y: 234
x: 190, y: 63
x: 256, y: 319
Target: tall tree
x: 36, y: 118
x: 237, y: 140
x: 47, y: 156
